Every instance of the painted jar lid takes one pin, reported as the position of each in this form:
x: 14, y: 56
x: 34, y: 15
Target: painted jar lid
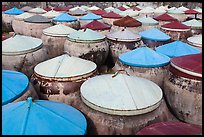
x: 90, y: 16
x: 23, y: 16
x: 121, y: 94
x: 188, y: 64
x: 96, y: 25
x: 4, y: 8
x: 175, y: 11
x: 154, y: 34
x: 129, y: 12
x: 42, y: 117
x: 65, y: 66
x: 160, y: 10
x: 37, y: 19
x: 198, y: 9
x: 84, y: 7
x: 64, y: 17
x: 93, y: 8
x: 20, y: 44
x: 115, y: 10
x: 61, y: 9
x: 193, y: 23
x: 14, y: 84
x: 195, y: 40
x: 127, y: 21
x: 86, y: 35
x: 171, y: 128
x: 165, y: 17
x: 77, y: 11
x: 182, y: 8
x: 47, y: 9
x: 51, y: 14
x: 144, y: 57
x: 14, y: 11
x: 147, y: 10
x: 175, y: 26
x: 74, y: 8
x: 26, y: 8
x: 99, y: 12
x: 123, y: 35
x: 109, y: 9
x: 191, y: 11
x: 121, y: 8
x: 58, y: 30
x: 37, y: 10
x: 135, y: 8
x: 177, y: 48
x: 111, y: 15
x: 148, y: 21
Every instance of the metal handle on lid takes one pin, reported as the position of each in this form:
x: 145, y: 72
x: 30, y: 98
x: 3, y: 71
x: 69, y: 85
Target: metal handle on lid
x: 116, y: 73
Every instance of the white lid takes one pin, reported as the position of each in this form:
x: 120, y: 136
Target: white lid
x: 23, y: 16
x: 182, y: 8
x: 160, y: 10
x: 129, y: 12
x: 51, y: 14
x: 93, y: 8
x: 195, y: 40
x: 75, y: 8
x: 37, y: 10
x: 147, y: 10
x: 121, y: 95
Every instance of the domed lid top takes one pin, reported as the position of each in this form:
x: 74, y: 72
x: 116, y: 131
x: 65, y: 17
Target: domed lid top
x: 129, y: 12
x: 111, y: 15
x: 121, y: 94
x: 96, y: 25
x: 65, y: 9
x: 86, y: 35
x: 191, y: 11
x: 99, y: 12
x: 20, y: 44
x: 64, y: 66
x: 163, y: 7
x: 127, y: 21
x: 90, y: 16
x: 182, y: 8
x: 37, y: 10
x: 47, y: 9
x: 14, y: 84
x: 171, y: 128
x: 125, y: 6
x: 74, y: 8
x: 23, y: 16
x: 175, y: 25
x: 198, y: 9
x: 93, y: 8
x: 64, y: 17
x: 37, y: 19
x: 197, y: 39
x: 190, y: 64
x: 109, y: 9
x: 165, y: 17
x: 14, y: 11
x: 135, y: 8
x: 144, y: 57
x: 193, y: 23
x: 123, y: 35
x: 58, y: 30
x: 147, y: 21
x: 160, y: 10
x: 77, y: 11
x: 175, y: 11
x: 147, y: 10
x: 84, y: 7
x: 154, y: 34
x: 177, y: 48
x: 42, y: 117
x: 4, y: 8
x: 122, y: 8
x: 26, y: 8
x: 51, y: 14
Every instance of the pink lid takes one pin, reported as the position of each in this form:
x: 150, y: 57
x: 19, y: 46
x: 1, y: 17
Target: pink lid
x: 175, y: 25
x: 165, y: 17
x: 121, y: 8
x: 98, y: 12
x: 96, y: 25
x: 190, y: 11
x: 111, y: 15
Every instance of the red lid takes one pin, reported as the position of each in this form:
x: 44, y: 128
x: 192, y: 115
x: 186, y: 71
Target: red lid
x: 136, y: 8
x: 171, y: 128
x: 99, y: 12
x: 47, y: 9
x: 61, y: 9
x: 189, y: 66
x: 111, y: 15
x: 96, y: 25
x: 175, y: 25
x: 4, y: 8
x: 190, y: 11
x: 121, y: 8
x: 165, y: 17
x: 127, y: 21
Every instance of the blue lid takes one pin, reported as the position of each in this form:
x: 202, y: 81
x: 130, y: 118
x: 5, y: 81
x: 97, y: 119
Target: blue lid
x: 14, y: 11
x: 14, y: 84
x: 42, y: 117
x: 144, y: 57
x: 177, y: 48
x: 90, y: 16
x: 154, y: 34
x: 64, y: 17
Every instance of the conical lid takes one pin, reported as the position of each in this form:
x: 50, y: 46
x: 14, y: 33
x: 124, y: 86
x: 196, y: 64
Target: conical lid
x: 84, y: 7
x: 42, y: 117
x: 198, y: 9
x: 96, y: 25
x: 51, y: 14
x: 147, y: 10
x: 86, y: 35
x: 193, y: 23
x: 65, y: 66
x: 121, y: 8
x: 182, y: 8
x: 77, y: 11
x: 154, y: 34
x: 195, y: 40
x: 127, y: 21
x: 175, y: 11
x: 147, y: 21
x: 58, y: 30
x: 135, y: 8
x: 74, y: 8
x: 23, y: 16
x: 160, y: 10
x: 20, y: 44
x: 125, y: 6
x: 14, y: 11
x: 4, y: 8
x: 99, y: 12
x: 175, y: 25
x: 93, y: 8
x: 37, y: 19
x: 191, y: 11
x: 121, y: 94
x: 90, y: 16
x: 144, y: 57
x: 61, y: 9
x: 116, y: 10
x: 37, y: 10
x: 165, y: 17
x: 26, y: 8
x: 111, y: 15
x: 123, y: 35
x: 47, y: 9
x: 177, y: 48
x: 64, y: 17
x: 14, y: 84
x: 109, y: 9
x: 129, y: 12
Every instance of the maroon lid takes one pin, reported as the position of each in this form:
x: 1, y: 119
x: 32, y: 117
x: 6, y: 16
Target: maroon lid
x: 96, y: 25
x: 175, y: 25
x: 189, y: 66
x: 165, y: 17
x: 171, y: 128
x: 61, y: 9
x: 47, y: 9
x: 127, y: 21
x: 111, y: 15
x: 99, y: 12
x: 4, y: 8
x: 136, y: 8
x: 121, y: 8
x: 190, y: 11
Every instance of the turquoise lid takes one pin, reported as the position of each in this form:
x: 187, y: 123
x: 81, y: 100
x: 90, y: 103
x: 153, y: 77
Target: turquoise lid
x: 14, y: 11
x: 64, y: 17
x: 90, y: 16
x: 147, y: 21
